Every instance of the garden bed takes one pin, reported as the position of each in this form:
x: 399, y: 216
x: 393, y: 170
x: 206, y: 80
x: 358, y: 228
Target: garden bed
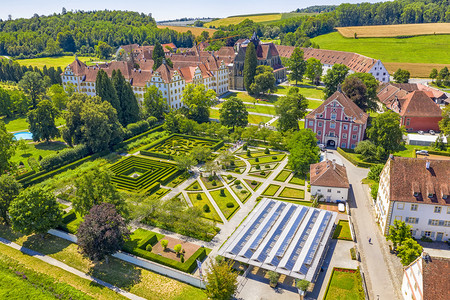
x: 224, y: 201
x: 266, y: 159
x: 297, y: 180
x: 212, y: 214
x: 345, y: 284
x: 210, y: 184
x: 288, y: 192
x: 283, y: 175
x: 271, y: 190
x: 242, y: 192
x: 342, y: 231
x: 195, y: 186
x: 262, y: 174
x: 255, y: 186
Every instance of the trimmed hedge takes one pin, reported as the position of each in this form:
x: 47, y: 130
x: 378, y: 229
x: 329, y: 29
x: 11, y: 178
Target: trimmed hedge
x: 137, y: 137
x: 443, y: 153
x: 359, y: 163
x: 188, y: 266
x: 68, y: 155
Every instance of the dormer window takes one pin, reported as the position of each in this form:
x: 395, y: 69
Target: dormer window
x: 415, y: 189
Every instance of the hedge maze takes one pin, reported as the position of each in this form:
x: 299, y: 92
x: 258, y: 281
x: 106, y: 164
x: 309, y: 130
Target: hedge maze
x: 138, y: 174
x: 179, y: 144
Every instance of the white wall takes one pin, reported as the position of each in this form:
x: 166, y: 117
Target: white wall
x: 333, y: 193
x: 412, y: 284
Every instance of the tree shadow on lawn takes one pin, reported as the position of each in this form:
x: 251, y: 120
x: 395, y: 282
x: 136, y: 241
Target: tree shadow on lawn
x: 117, y: 272
x: 47, y: 245
x: 52, y: 145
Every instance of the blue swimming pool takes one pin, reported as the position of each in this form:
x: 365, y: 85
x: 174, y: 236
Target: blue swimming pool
x: 23, y: 135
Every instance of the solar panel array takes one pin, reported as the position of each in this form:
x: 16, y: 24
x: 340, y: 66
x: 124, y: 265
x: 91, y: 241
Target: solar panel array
x: 281, y: 236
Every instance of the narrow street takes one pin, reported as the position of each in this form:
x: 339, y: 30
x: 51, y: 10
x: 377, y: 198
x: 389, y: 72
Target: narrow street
x: 381, y: 280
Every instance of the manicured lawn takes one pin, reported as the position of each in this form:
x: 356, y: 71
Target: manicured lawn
x: 283, y: 175
x: 212, y: 214
x: 297, y: 180
x: 57, y: 61
x: 209, y: 184
x: 313, y: 104
x: 342, y: 231
x: 307, y: 90
x: 292, y: 193
x: 263, y: 109
x: 345, y: 284
x: 271, y: 190
x: 419, y: 49
x: 255, y: 186
x: 299, y: 202
x: 262, y: 173
x: 255, y: 119
x: 122, y: 274
x: 222, y: 202
x: 177, y: 181
x: 267, y: 159
x: 34, y: 150
x: 214, y: 113
x: 21, y: 124
x: 195, y: 186
x: 247, y: 98
x: 255, y: 152
x: 265, y: 167
x: 241, y: 191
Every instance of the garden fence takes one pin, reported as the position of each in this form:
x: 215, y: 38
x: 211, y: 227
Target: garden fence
x: 146, y: 264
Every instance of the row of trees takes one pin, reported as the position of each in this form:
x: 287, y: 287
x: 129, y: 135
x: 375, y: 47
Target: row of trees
x: 13, y: 71
x: 441, y: 78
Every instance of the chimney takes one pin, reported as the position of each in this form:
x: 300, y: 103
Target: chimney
x: 427, y: 165
x: 391, y: 156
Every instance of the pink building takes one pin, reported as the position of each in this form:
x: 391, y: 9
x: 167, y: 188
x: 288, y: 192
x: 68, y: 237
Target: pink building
x: 338, y: 122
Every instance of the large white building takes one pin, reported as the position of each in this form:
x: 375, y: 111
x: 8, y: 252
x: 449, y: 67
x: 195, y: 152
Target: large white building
x: 357, y: 63
x: 196, y: 67
x: 427, y: 278
x: 330, y: 180
x: 415, y: 191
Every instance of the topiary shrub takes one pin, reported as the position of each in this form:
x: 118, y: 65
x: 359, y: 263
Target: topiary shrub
x: 229, y: 177
x: 249, y: 154
x: 266, y: 151
x: 257, y: 159
x: 237, y: 181
x: 149, y: 248
x: 21, y: 163
x: 237, y: 170
x: 177, y: 248
x: 210, y: 178
x: 164, y: 243
x: 244, y: 147
x: 195, y: 187
x: 182, y: 258
x: 244, y: 192
x: 199, y: 196
x: 230, y: 204
x: 214, y: 183
x: 232, y: 163
x: 258, y: 167
x: 267, y: 166
x: 254, y: 182
x: 274, y: 157
x: 262, y: 173
x: 206, y: 208
x: 222, y: 192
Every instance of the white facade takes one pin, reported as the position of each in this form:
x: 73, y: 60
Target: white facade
x: 172, y: 90
x: 412, y: 284
x: 379, y: 71
x: 331, y: 194
x: 429, y: 220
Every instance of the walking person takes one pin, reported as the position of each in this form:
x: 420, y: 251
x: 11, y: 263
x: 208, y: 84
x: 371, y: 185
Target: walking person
x: 370, y: 240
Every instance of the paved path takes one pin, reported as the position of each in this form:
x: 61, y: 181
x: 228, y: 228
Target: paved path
x: 61, y: 265
x: 381, y: 281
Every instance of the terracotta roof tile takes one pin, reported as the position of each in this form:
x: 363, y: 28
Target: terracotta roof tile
x: 436, y: 276
x: 327, y: 173
x: 418, y: 104
x: 409, y: 175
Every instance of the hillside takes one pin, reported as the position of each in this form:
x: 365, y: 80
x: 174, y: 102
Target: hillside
x: 395, y: 30
x: 182, y: 29
x: 257, y: 18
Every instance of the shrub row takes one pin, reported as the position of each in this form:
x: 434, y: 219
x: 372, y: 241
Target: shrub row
x: 139, y: 127
x: 137, y: 137
x: 68, y: 155
x: 359, y: 163
x: 443, y: 153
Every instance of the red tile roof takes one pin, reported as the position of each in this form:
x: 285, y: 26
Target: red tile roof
x: 327, y: 173
x: 418, y: 104
x: 350, y: 108
x: 410, y: 175
x: 436, y: 279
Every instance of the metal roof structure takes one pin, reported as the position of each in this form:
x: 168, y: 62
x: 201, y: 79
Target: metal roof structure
x: 287, y: 238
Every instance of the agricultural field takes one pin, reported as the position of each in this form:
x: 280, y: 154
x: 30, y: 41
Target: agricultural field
x: 195, y: 30
x: 395, y: 30
x: 257, y: 18
x: 178, y: 144
x: 138, y: 174
x: 428, y: 49
x: 56, y: 61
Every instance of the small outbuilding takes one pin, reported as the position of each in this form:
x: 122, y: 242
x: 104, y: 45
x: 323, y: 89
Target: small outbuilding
x: 330, y: 180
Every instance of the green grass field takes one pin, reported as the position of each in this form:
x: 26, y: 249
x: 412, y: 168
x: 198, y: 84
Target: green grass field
x: 212, y: 215
x: 241, y: 191
x: 297, y: 180
x: 342, y: 231
x: 21, y: 124
x: 420, y: 49
x: 306, y: 89
x: 56, y: 61
x: 271, y: 190
x: 222, y: 201
x: 255, y: 119
x: 288, y: 192
x: 345, y: 284
x: 283, y: 175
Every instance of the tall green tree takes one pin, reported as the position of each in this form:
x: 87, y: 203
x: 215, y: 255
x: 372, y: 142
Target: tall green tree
x: 221, y: 280
x: 103, y: 232
x: 42, y: 121
x: 334, y: 77
x: 58, y: 96
x: 434, y: 74
x: 7, y: 148
x: 35, y: 210
x: 303, y: 150
x: 371, y: 87
x: 401, y: 76
x: 157, y: 55
x: 6, y: 103
x: 103, y: 50
x: 198, y: 99
x: 34, y: 85
x: 185, y: 162
x: 290, y: 109
x: 155, y: 105
x: 444, y: 124
x: 129, y: 106
x: 233, y: 113
x: 399, y: 233
x: 106, y: 91
x: 409, y: 251
x: 250, y: 64
x: 386, y: 131
x: 313, y: 70
x: 297, y: 65
x: 264, y: 81
x: 9, y: 190
x: 356, y: 90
